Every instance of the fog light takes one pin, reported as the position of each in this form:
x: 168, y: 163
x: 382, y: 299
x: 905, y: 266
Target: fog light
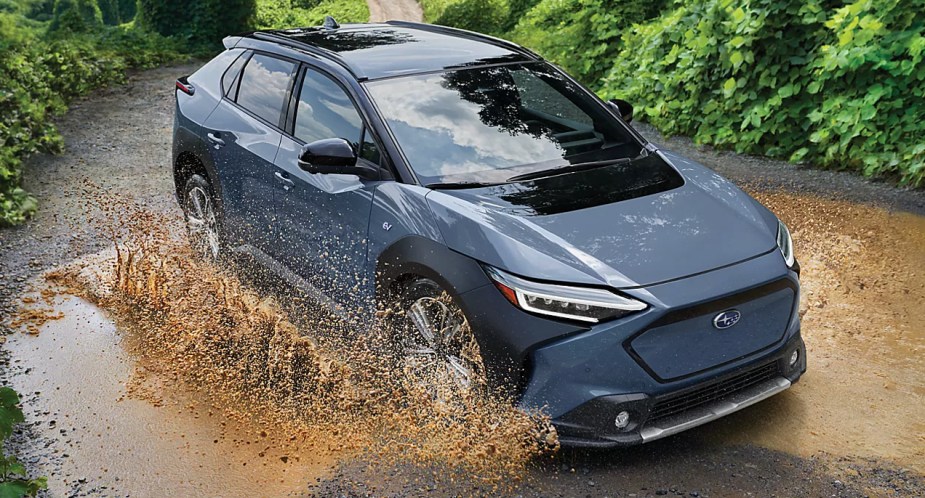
x: 622, y: 420
x: 794, y: 356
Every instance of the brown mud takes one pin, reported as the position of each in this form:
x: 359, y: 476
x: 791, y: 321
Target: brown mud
x: 863, y: 284
x: 200, y: 332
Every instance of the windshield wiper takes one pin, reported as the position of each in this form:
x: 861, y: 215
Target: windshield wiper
x: 535, y: 175
x: 461, y: 185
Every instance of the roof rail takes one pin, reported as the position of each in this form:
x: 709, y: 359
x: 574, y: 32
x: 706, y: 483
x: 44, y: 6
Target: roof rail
x: 306, y: 47
x: 436, y: 28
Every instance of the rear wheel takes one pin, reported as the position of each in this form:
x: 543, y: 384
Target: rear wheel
x: 435, y: 344
x: 201, y: 220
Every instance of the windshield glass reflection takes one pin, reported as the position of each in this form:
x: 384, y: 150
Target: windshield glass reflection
x: 487, y: 124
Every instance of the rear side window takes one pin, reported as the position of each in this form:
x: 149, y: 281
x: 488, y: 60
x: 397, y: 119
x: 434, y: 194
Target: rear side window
x: 230, y: 79
x: 263, y: 87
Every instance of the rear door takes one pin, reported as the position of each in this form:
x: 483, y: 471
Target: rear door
x: 324, y: 218
x: 244, y: 134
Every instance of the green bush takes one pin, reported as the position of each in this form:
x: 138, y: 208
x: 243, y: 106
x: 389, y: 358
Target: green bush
x: 76, y: 16
x: 477, y: 15
x: 275, y: 14
x: 486, y: 16
x: 201, y: 22
x: 839, y: 87
x: 110, y: 12
x: 582, y: 35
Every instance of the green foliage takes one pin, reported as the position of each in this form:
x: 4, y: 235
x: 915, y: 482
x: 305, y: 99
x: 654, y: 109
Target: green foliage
x: 76, y: 16
x: 486, y: 16
x: 839, y: 87
x: 201, y: 22
x: 41, y: 72
x: 582, y: 35
x: 110, y: 12
x: 476, y: 15
x: 127, y: 9
x: 38, y: 80
x: 275, y: 14
x: 14, y: 481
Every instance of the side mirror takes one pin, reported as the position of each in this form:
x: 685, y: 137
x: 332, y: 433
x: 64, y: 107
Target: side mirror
x: 333, y: 156
x: 623, y: 108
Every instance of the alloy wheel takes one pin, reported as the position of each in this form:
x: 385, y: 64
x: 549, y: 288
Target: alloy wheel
x: 201, y: 223
x: 439, y: 349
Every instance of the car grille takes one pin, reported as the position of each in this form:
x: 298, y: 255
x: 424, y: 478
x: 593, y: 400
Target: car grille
x: 673, y: 404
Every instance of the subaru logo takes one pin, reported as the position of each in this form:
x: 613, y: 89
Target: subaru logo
x: 727, y: 319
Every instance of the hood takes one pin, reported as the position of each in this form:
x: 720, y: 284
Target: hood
x: 590, y: 227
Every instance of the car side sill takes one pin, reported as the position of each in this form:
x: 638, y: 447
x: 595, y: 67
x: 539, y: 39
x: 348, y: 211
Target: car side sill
x: 712, y: 411
x: 270, y: 263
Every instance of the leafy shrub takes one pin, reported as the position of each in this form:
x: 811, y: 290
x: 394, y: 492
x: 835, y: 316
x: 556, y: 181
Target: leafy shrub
x: 840, y: 87
x: 127, y: 9
x: 14, y: 482
x: 476, y: 15
x: 201, y: 22
x: 77, y: 16
x: 582, y: 35
x: 516, y: 10
x: 275, y: 14
x: 41, y: 72
x: 486, y: 16
x: 110, y: 12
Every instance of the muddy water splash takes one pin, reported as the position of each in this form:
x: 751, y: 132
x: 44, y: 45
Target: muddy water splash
x: 863, y: 293
x: 331, y: 389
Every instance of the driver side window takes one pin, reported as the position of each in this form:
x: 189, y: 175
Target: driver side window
x: 326, y: 111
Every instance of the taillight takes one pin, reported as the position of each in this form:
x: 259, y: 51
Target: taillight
x: 184, y: 86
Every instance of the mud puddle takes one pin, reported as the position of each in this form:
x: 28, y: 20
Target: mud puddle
x: 202, y: 379
x: 118, y: 430
x: 863, y: 306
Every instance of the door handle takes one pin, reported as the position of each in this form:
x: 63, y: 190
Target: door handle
x: 215, y: 140
x: 287, y: 183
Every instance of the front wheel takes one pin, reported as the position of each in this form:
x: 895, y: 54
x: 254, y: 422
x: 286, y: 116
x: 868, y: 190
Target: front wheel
x: 201, y: 220
x: 435, y: 344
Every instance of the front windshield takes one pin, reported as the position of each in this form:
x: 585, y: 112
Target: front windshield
x: 489, y: 124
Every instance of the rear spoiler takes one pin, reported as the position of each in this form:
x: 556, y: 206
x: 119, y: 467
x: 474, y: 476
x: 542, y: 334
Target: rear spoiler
x: 231, y: 41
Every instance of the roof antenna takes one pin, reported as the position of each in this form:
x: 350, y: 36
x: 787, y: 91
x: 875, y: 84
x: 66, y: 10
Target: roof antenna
x: 330, y: 23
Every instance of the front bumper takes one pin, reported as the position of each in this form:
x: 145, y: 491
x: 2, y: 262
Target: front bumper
x: 655, y: 417
x: 582, y: 377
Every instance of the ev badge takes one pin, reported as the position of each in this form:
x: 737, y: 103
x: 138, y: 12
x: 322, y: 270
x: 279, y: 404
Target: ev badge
x: 386, y: 226
x: 727, y: 319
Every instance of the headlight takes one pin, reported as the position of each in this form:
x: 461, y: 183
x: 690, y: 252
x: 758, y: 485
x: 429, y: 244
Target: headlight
x: 785, y: 243
x: 575, y: 303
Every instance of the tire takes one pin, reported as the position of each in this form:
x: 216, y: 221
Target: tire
x: 201, y: 219
x: 433, y: 342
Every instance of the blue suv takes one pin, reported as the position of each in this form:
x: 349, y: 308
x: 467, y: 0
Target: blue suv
x: 527, y: 234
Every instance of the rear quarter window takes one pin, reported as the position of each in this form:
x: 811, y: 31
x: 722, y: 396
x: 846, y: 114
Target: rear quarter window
x: 230, y: 79
x: 209, y: 76
x: 264, y: 85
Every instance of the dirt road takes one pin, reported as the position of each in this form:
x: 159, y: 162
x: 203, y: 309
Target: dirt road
x: 398, y: 10
x: 852, y: 427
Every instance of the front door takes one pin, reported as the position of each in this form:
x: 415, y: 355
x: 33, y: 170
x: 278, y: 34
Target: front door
x: 324, y: 218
